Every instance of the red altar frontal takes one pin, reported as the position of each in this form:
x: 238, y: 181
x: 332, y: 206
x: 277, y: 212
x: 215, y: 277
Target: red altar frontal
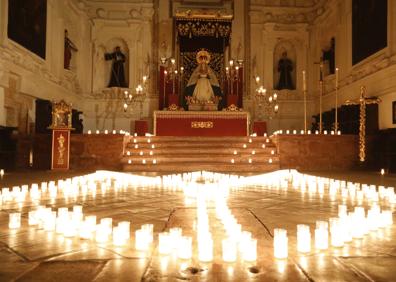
x: 190, y: 123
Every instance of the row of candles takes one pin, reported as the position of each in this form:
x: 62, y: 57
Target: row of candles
x: 308, y: 132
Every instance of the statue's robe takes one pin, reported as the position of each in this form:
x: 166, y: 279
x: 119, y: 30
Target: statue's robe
x: 192, y: 83
x: 285, y: 67
x: 117, y: 78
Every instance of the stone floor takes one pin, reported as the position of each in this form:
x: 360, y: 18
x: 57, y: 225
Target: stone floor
x: 30, y: 254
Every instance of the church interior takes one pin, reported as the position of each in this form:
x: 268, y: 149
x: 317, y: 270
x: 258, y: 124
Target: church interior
x: 202, y: 140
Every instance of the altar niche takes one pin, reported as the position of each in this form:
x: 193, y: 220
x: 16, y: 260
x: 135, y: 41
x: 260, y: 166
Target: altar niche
x: 195, y: 36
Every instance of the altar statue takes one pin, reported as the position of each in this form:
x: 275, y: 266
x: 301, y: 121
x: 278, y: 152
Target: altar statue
x: 203, y: 86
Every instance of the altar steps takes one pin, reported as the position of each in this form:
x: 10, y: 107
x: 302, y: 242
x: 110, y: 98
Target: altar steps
x: 178, y: 154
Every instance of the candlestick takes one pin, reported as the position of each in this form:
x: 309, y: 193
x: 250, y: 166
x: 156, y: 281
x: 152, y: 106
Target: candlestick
x: 305, y: 101
x: 320, y: 96
x: 336, y: 100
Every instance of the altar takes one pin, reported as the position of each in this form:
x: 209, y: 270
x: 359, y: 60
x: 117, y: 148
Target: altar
x: 201, y: 123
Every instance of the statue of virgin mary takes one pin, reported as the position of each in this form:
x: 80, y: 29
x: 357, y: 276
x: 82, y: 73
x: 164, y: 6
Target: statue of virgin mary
x: 203, y: 85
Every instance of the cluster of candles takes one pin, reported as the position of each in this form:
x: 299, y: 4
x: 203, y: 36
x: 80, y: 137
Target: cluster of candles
x: 308, y: 132
x: 75, y: 224
x: 253, y: 152
x: 209, y: 188
x: 150, y: 154
x: 338, y: 230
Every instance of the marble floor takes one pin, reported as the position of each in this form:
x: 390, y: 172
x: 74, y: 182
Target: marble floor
x: 30, y: 253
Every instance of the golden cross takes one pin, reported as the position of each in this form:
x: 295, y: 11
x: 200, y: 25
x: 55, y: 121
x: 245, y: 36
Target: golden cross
x: 362, y: 101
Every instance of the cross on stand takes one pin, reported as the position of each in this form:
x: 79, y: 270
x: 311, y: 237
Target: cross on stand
x: 362, y: 101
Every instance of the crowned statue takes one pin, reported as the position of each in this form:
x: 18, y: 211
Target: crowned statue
x: 203, y: 89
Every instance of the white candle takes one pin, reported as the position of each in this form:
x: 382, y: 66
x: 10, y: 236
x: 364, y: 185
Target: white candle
x: 250, y: 250
x: 336, y: 77
x: 164, y: 243
x: 229, y: 250
x: 205, y: 249
x: 14, y: 220
x: 184, y: 250
x: 321, y: 235
x: 141, y: 240
x: 303, y: 238
x: 280, y: 243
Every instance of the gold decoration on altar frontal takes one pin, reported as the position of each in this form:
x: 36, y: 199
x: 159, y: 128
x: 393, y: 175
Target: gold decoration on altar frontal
x: 61, y: 115
x: 362, y: 102
x: 202, y: 124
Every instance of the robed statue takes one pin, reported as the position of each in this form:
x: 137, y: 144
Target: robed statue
x: 69, y: 47
x: 117, y: 78
x: 285, y: 68
x: 203, y: 85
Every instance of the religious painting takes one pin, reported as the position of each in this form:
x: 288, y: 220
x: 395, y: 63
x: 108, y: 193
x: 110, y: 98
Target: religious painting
x: 394, y: 112
x: 27, y: 23
x: 369, y: 28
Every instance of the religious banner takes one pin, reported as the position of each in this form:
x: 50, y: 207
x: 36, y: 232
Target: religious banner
x: 60, y: 149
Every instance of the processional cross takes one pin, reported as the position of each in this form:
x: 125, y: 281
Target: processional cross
x: 362, y: 101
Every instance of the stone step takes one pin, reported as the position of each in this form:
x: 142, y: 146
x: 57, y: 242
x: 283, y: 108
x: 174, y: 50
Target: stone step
x: 219, y: 159
x: 176, y: 167
x: 163, y: 139
x: 195, y: 144
x: 211, y: 151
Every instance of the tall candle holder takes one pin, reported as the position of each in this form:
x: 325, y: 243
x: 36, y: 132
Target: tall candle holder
x: 138, y: 97
x: 173, y: 75
x: 271, y: 107
x: 305, y: 100
x: 232, y: 76
x: 336, y: 101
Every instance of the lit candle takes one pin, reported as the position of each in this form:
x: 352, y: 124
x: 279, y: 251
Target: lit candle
x: 141, y: 241
x: 303, y: 238
x: 336, y: 77
x: 250, y: 250
x: 164, y: 244
x: 321, y: 235
x: 205, y: 249
x: 280, y: 243
x: 229, y: 250
x: 89, y: 132
x: 14, y: 220
x: 184, y: 250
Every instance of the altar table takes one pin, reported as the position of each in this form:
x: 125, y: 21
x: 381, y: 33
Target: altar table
x: 194, y: 123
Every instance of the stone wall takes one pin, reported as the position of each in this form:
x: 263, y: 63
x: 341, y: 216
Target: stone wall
x: 96, y: 151
x: 317, y: 152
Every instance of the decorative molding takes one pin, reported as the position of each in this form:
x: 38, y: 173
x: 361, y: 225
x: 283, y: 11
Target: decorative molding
x: 13, y: 54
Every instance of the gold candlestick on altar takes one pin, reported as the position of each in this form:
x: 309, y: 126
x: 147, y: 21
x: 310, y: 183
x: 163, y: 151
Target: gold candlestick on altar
x: 336, y: 101
x: 362, y: 102
x: 305, y: 101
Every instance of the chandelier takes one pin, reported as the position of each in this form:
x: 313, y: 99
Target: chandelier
x: 130, y: 98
